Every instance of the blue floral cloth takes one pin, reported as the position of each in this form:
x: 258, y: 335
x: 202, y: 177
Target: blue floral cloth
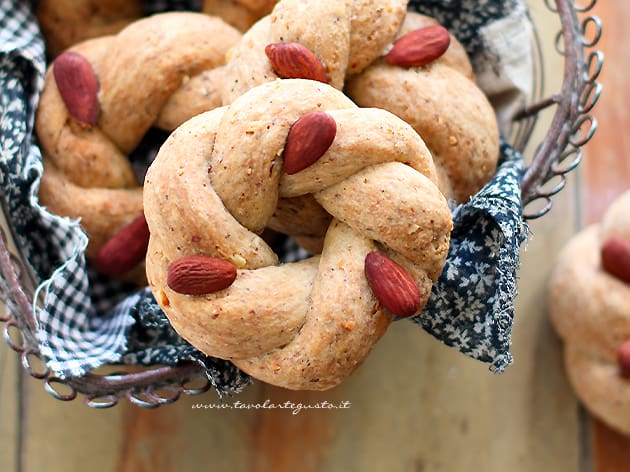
x: 85, y: 321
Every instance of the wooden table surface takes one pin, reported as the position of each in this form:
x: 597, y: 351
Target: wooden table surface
x: 415, y: 405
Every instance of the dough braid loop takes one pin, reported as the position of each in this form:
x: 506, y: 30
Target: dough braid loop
x: 350, y: 40
x: 221, y: 178
x: 103, y: 95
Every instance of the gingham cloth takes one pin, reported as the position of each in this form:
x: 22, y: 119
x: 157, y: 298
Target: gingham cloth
x: 85, y: 321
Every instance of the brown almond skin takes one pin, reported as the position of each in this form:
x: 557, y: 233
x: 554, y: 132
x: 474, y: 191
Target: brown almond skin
x: 200, y: 275
x: 616, y: 258
x: 308, y: 139
x: 419, y: 47
x: 125, y: 250
x: 295, y: 61
x: 623, y: 359
x: 392, y: 285
x: 78, y: 86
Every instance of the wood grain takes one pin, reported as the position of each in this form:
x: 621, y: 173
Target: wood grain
x: 148, y: 441
x: 286, y: 440
x: 67, y: 436
x: 607, y: 159
x: 606, y: 174
x: 611, y: 450
x: 11, y: 394
x: 9, y: 407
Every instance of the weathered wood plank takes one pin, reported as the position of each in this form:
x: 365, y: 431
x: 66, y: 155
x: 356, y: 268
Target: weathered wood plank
x: 67, y: 436
x: 607, y: 158
x: 11, y: 390
x: 9, y: 407
x: 606, y: 175
x: 611, y: 450
x: 196, y: 431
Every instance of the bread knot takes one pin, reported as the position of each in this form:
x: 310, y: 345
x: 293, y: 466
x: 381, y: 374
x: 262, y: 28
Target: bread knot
x: 342, y: 36
x: 381, y: 56
x: 64, y: 23
x: 589, y: 304
x: 103, y: 95
x: 300, y: 157
x: 441, y: 101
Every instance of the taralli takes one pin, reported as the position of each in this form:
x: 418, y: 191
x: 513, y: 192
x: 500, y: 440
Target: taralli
x: 99, y: 100
x: 430, y: 84
x: 303, y: 147
x: 589, y: 304
x: 384, y: 57
x: 341, y: 37
x: 65, y: 23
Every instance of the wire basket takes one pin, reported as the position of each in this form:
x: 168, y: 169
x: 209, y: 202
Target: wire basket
x: 560, y: 152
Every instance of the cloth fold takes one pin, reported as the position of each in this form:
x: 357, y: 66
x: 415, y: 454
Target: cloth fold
x: 86, y: 321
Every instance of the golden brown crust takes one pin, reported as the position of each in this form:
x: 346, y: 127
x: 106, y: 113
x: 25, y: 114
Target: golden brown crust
x: 156, y: 71
x: 451, y: 114
x: 313, y: 333
x: 441, y: 101
x: 455, y: 56
x: 589, y: 309
x: 99, y: 209
x: 444, y: 105
x: 67, y: 22
x: 345, y: 35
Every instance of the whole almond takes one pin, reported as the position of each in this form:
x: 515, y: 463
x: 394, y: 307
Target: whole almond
x: 125, y: 250
x: 616, y: 258
x: 419, y: 47
x: 295, y: 61
x: 392, y: 285
x: 308, y: 139
x: 78, y: 86
x: 200, y: 275
x: 623, y: 359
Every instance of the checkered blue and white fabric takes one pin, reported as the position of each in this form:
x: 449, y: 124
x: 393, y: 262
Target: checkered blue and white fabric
x: 86, y: 321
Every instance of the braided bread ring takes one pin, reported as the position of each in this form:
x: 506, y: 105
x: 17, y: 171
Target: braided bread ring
x: 346, y: 36
x: 590, y: 310
x: 444, y: 105
x: 305, y: 325
x: 143, y: 75
x: 441, y: 100
x: 65, y: 23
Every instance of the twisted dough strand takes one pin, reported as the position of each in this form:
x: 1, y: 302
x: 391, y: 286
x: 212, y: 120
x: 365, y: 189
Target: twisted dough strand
x: 148, y: 74
x: 349, y: 38
x: 305, y: 325
x: 346, y: 36
x: 444, y: 105
x: 65, y: 23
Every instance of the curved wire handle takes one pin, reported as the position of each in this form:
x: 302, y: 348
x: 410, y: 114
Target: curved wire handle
x: 572, y: 125
x: 560, y: 153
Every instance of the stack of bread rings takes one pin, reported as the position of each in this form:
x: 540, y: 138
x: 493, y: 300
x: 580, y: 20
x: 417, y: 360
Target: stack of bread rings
x: 96, y: 107
x: 321, y: 122
x: 589, y: 304
x: 65, y: 23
